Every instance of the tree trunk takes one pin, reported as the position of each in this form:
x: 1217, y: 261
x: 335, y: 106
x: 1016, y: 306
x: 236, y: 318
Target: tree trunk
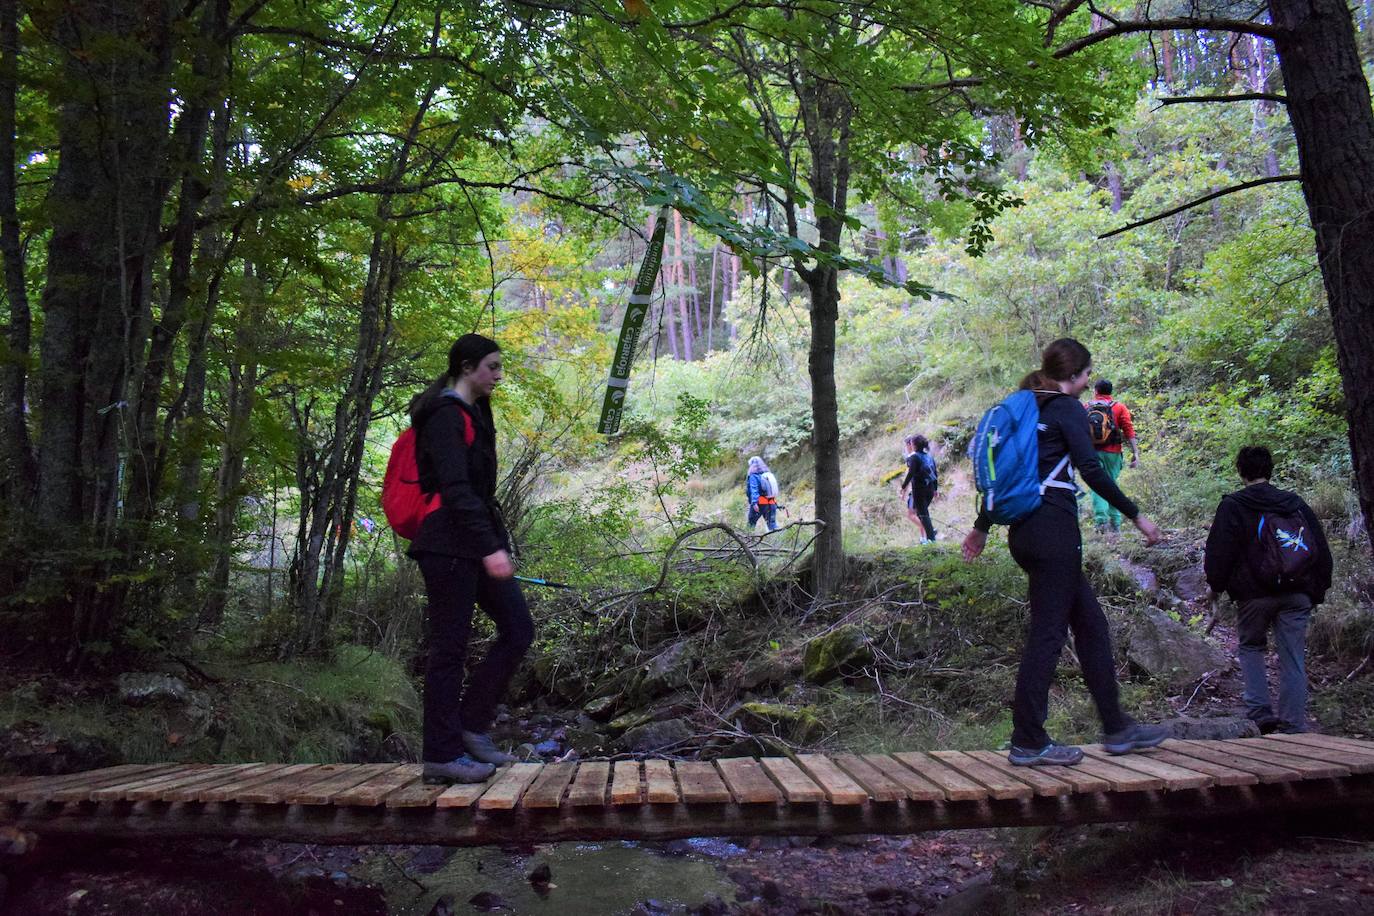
x: 826, y: 115
x: 1329, y: 106
x: 18, y: 470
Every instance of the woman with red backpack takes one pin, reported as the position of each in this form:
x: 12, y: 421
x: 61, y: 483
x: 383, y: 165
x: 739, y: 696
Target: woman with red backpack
x: 463, y: 550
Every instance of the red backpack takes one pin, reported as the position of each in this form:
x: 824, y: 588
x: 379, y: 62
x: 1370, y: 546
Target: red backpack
x: 404, y: 503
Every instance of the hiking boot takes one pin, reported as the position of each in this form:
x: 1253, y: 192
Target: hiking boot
x: 1135, y: 738
x: 463, y: 769
x: 481, y: 747
x: 1267, y: 725
x: 1064, y: 755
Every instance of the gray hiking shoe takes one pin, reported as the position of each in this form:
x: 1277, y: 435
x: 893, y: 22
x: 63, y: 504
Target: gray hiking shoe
x: 1135, y: 737
x: 481, y: 747
x: 1064, y: 755
x: 463, y: 769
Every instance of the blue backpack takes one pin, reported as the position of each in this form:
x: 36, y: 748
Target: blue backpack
x: 1005, y: 452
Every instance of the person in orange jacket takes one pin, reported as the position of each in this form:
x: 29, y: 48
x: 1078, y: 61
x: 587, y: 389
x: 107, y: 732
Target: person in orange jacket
x: 1111, y: 426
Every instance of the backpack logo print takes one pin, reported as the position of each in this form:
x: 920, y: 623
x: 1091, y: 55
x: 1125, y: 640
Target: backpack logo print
x: 1290, y: 541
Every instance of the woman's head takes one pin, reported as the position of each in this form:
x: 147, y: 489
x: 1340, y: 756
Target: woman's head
x: 919, y: 443
x: 475, y: 360
x: 1065, y: 364
x: 756, y: 465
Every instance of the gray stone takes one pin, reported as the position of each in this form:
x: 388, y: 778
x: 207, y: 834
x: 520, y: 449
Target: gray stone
x: 767, y: 670
x: 979, y: 900
x: 147, y: 688
x: 1164, y: 649
x: 655, y: 736
x: 1217, y: 728
x: 602, y: 708
x: 669, y: 670
x: 1191, y: 583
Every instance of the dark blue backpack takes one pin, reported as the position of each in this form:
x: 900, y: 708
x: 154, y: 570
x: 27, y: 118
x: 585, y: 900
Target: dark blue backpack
x: 1005, y: 452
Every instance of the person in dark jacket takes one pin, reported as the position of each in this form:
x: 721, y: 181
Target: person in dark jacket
x: 1049, y: 547
x: 762, y: 503
x: 464, y: 554
x: 1284, y: 606
x: 920, y: 484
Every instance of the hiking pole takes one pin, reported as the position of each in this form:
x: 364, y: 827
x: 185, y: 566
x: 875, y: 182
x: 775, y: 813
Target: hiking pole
x: 544, y: 582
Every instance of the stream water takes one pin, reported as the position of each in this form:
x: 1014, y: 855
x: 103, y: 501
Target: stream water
x: 587, y: 879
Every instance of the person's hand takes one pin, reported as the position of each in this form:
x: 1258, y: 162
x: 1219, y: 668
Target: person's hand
x: 974, y: 542
x: 1149, y: 529
x: 1135, y: 459
x: 498, y: 565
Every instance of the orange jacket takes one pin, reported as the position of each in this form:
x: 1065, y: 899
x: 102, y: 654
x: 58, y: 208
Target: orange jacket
x: 1121, y: 416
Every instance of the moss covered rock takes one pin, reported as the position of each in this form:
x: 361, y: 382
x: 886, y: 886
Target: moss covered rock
x: 795, y: 723
x: 841, y: 651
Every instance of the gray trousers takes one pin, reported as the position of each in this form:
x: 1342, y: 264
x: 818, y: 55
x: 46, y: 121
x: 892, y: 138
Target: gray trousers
x: 1287, y: 615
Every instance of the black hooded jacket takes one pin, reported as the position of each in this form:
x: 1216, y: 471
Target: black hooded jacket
x: 467, y: 522
x: 1237, y: 515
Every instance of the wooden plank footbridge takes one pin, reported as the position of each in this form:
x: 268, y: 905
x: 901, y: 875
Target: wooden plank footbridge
x: 809, y: 794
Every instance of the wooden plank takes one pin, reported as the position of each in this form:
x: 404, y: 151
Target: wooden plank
x: 278, y: 791
x: 839, y: 788
x: 1214, y: 752
x: 547, y: 789
x: 589, y: 785
x: 1311, y: 769
x: 278, y: 780
x: 322, y: 793
x: 748, y: 783
x: 1358, y: 761
x: 625, y: 783
x: 1121, y: 778
x: 797, y: 787
x: 1041, y: 779
x: 511, y: 782
x: 662, y: 787
x: 1175, y: 777
x: 35, y: 788
x: 418, y: 794
x: 700, y: 783
x: 1224, y: 775
x: 1354, y: 744
x: 195, y: 793
x: 955, y: 785
x: 190, y: 779
x: 878, y: 786
x: 916, y: 788
x: 373, y: 791
x: 45, y: 788
x: 460, y: 794
x: 1000, y: 785
x: 120, y: 791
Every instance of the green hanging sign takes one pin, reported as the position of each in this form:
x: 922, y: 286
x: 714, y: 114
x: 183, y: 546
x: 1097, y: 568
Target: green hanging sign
x: 613, y: 406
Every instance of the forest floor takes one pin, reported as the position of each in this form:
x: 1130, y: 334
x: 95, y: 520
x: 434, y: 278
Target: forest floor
x: 1259, y: 864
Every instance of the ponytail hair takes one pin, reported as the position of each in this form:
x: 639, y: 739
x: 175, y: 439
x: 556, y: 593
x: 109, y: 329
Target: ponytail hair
x: 1060, y: 361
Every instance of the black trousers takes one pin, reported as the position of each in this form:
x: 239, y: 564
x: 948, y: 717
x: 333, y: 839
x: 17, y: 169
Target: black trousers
x: 453, y: 586
x: 919, y: 500
x: 1049, y: 547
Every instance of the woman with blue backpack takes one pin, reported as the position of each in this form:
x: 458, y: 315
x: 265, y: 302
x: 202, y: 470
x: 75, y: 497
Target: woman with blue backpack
x: 464, y: 554
x: 1025, y: 452
x: 921, y: 483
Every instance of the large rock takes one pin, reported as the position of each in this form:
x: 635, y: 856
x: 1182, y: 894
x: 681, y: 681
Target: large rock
x: 794, y: 723
x: 655, y: 736
x: 1164, y: 649
x: 767, y: 670
x: 1212, y: 728
x: 841, y: 651
x: 149, y: 688
x: 669, y: 670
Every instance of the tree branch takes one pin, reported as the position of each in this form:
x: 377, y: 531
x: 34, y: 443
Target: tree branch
x: 1238, y: 97
x: 1182, y: 23
x: 1245, y: 185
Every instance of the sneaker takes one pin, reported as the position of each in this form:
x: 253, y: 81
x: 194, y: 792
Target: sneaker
x: 1134, y: 738
x: 481, y: 747
x: 1064, y: 755
x: 463, y: 769
x: 1267, y: 725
